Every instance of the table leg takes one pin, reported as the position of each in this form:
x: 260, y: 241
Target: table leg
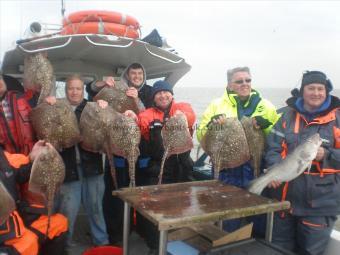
x: 126, y: 230
x: 269, y: 226
x: 163, y: 241
x: 220, y: 224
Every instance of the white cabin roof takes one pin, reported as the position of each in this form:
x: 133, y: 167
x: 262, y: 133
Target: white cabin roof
x: 97, y: 56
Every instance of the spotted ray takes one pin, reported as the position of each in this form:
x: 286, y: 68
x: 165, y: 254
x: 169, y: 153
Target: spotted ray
x: 47, y: 174
x: 94, y: 125
x: 226, y: 144
x: 117, y: 98
x: 38, y: 74
x: 124, y: 140
x: 256, y: 143
x: 7, y: 204
x: 176, y: 139
x: 56, y: 124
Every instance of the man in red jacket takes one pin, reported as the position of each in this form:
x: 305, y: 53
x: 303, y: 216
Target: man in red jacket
x: 177, y: 168
x: 17, y: 136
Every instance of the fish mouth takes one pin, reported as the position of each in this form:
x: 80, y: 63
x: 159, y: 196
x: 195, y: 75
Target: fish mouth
x: 315, y: 139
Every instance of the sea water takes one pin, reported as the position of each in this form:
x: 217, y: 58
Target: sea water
x: 200, y: 97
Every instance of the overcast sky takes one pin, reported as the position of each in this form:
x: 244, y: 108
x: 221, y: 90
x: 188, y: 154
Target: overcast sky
x: 278, y: 40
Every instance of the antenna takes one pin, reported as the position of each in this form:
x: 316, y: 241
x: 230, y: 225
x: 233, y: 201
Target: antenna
x: 62, y: 8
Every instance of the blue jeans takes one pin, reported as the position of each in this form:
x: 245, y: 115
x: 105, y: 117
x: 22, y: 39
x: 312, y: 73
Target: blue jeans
x: 89, y: 191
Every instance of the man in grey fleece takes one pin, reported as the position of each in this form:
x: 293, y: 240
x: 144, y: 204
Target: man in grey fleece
x: 134, y: 76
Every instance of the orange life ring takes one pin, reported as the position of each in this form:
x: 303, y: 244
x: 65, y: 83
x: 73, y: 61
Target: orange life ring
x: 103, y: 16
x: 100, y: 28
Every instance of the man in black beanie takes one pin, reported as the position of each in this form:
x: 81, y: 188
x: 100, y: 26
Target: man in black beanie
x: 177, y: 168
x: 310, y: 77
x: 314, y: 195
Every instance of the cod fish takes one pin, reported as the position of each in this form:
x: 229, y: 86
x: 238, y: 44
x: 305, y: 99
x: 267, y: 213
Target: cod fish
x: 256, y: 143
x: 47, y: 174
x: 176, y: 139
x: 124, y: 139
x: 117, y: 98
x: 38, y: 74
x: 7, y: 204
x: 56, y: 124
x: 226, y: 144
x: 291, y: 167
x: 95, y: 124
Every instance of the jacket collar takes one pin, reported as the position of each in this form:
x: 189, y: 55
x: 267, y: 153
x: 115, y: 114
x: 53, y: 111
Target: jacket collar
x: 233, y: 98
x: 334, y: 103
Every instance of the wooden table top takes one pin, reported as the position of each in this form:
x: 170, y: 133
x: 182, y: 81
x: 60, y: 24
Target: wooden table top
x: 178, y: 205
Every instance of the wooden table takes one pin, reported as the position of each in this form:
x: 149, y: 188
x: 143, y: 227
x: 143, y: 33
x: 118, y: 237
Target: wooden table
x: 172, y: 206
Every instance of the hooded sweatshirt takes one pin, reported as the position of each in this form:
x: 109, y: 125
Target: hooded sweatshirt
x: 144, y: 91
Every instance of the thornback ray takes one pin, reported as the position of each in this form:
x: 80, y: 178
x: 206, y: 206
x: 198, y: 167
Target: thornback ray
x: 56, y: 124
x: 226, y: 144
x: 117, y: 98
x: 296, y: 162
x: 47, y: 174
x: 7, y: 204
x: 124, y: 140
x: 176, y: 139
x: 95, y: 123
x: 38, y: 74
x: 256, y: 143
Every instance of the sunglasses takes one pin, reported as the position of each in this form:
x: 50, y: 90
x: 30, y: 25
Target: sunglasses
x: 243, y: 81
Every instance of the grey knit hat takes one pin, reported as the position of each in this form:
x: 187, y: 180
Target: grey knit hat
x: 316, y: 77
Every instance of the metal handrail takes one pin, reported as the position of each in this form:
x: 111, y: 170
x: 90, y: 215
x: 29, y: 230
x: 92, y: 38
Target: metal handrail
x: 167, y: 59
x: 44, y: 49
x: 108, y: 45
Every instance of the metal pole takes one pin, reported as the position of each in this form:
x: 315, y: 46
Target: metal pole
x: 269, y: 226
x: 163, y: 241
x: 126, y: 230
x: 220, y: 224
x: 62, y: 8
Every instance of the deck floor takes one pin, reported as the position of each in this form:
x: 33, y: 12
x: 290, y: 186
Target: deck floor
x: 82, y: 236
x: 137, y: 245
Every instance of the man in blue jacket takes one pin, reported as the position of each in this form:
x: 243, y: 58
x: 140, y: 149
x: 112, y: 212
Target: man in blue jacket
x: 314, y: 195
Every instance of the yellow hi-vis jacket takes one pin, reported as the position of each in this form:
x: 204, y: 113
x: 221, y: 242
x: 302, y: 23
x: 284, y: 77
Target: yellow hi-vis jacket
x: 227, y: 104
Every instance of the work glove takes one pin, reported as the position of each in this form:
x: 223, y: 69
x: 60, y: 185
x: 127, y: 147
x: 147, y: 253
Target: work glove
x: 262, y: 122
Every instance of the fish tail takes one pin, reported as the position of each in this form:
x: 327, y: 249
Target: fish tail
x: 217, y: 168
x: 256, y: 168
x: 44, y: 92
x: 49, y: 208
x: 132, y: 169
x: 256, y: 186
x: 112, y: 167
x: 41, y: 98
x: 162, y: 166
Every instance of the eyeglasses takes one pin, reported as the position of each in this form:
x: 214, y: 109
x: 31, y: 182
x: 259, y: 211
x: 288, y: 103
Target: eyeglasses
x: 242, y: 81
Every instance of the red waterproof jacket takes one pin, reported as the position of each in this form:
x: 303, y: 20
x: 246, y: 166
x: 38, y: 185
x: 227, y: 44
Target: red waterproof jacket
x: 151, y: 114
x: 16, y: 133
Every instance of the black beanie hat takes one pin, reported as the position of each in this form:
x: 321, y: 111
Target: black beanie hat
x: 161, y: 86
x: 316, y: 77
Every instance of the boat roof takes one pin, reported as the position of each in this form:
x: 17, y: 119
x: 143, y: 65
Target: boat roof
x: 96, y: 56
